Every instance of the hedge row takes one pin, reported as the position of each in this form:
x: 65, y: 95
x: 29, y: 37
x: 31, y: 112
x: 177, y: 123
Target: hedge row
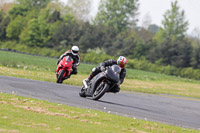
x: 95, y: 58
x: 145, y: 65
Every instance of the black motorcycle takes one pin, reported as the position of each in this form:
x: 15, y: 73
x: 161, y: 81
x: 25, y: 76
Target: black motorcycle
x: 101, y: 83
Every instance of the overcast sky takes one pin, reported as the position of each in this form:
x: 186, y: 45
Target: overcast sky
x: 156, y: 8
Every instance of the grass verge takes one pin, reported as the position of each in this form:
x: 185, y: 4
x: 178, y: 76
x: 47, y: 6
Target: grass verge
x: 26, y: 115
x: 42, y: 68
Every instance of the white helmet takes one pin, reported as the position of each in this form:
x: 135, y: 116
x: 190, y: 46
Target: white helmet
x: 75, y: 50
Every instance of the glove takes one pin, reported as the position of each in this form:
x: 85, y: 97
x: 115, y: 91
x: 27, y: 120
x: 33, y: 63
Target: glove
x: 103, y: 68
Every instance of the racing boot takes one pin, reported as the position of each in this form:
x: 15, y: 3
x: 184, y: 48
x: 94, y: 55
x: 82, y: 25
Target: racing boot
x: 87, y: 81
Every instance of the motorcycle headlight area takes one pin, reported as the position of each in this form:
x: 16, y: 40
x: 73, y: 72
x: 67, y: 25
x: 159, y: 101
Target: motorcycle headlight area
x: 111, y: 75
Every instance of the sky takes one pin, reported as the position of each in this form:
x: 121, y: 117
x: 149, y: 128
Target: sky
x: 155, y: 10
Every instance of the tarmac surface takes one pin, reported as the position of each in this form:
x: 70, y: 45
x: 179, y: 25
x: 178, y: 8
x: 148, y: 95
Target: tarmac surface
x: 168, y: 109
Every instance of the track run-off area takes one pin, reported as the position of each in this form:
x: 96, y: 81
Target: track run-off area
x: 168, y: 109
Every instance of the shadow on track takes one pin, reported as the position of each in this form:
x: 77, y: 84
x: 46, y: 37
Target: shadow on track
x: 122, y: 105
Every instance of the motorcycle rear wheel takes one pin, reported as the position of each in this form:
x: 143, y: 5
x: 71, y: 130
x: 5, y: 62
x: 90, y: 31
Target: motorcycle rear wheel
x: 60, y: 77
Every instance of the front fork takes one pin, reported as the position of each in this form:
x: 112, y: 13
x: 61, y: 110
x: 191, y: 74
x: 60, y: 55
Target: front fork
x: 111, y: 85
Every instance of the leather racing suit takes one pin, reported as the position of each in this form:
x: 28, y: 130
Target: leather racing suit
x: 110, y: 62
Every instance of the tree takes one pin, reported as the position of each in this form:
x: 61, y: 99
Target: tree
x: 17, y: 10
x: 184, y: 54
x: 176, y: 53
x: 36, y: 32
x: 146, y: 22
x: 81, y: 9
x: 196, y: 35
x: 4, y: 21
x: 55, y: 16
x: 173, y: 48
x: 23, y: 7
x: 92, y: 37
x: 174, y: 23
x: 144, y: 34
x: 196, y: 58
x: 118, y: 14
x: 31, y: 34
x: 153, y: 28
x: 33, y: 3
x: 196, y: 52
x: 66, y: 33
x: 15, y: 27
x: 1, y: 16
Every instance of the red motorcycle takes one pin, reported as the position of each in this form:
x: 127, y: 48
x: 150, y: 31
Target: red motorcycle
x: 64, y: 69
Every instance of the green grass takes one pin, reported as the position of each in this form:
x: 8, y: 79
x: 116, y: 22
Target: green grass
x: 26, y: 115
x: 29, y: 62
x: 18, y: 114
x: 43, y: 68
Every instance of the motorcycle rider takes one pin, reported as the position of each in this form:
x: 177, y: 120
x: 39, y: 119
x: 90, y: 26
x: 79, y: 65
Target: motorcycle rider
x: 74, y: 53
x: 121, y: 61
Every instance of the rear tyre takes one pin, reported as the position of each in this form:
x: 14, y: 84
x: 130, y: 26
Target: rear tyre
x: 60, y: 77
x: 101, y: 89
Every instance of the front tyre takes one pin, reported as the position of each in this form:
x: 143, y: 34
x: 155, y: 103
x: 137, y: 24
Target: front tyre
x: 60, y: 77
x: 100, y: 90
x: 82, y: 92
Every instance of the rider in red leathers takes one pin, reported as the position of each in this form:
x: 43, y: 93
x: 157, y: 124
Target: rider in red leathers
x: 74, y: 53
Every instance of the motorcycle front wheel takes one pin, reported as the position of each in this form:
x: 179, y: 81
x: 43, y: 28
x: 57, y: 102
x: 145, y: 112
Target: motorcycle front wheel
x: 82, y: 92
x: 60, y: 77
x: 100, y: 90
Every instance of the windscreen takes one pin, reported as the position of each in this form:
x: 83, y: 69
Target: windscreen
x: 68, y: 58
x: 116, y: 69
x: 113, y: 73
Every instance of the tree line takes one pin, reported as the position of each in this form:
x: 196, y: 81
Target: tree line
x: 114, y: 31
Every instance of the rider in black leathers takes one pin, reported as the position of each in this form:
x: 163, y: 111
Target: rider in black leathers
x: 121, y: 61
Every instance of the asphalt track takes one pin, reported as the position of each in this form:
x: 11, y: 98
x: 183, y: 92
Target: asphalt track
x: 179, y: 111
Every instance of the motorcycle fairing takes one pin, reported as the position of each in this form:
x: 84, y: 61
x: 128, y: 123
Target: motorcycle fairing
x: 65, y: 64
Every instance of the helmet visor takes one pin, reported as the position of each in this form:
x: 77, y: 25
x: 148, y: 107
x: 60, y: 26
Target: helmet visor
x: 122, y: 64
x: 75, y: 52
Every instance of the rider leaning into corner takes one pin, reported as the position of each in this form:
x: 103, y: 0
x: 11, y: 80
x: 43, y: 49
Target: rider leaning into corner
x: 74, y: 53
x: 121, y: 61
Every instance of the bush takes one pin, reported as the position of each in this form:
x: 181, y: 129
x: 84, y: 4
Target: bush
x: 94, y: 58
